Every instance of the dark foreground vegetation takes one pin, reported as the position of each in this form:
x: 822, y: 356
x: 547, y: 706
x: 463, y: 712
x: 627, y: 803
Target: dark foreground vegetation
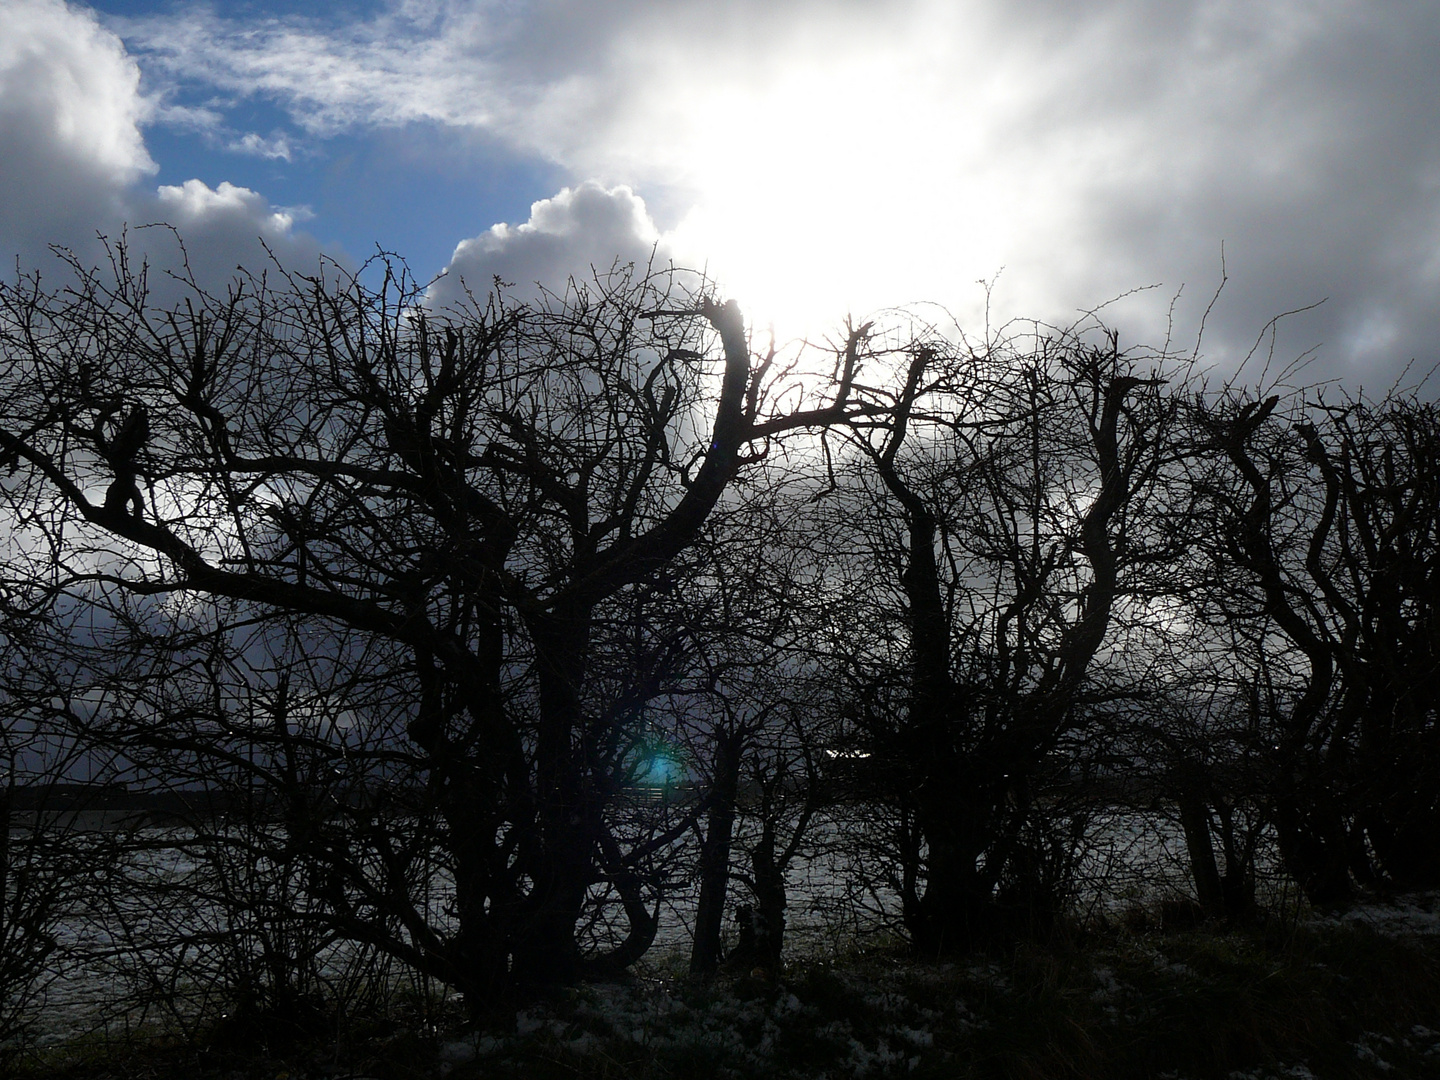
x: 1337, y: 1000
x: 348, y: 645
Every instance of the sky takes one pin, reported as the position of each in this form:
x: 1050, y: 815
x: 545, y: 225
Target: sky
x: 1002, y: 159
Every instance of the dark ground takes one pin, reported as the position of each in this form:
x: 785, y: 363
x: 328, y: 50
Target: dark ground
x: 1330, y: 998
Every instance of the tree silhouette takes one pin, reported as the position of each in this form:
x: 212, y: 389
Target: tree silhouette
x: 340, y: 529
x: 1019, y: 506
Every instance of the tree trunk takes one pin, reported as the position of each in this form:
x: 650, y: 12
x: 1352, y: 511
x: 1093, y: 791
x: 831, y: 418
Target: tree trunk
x: 1315, y: 852
x: 546, y: 953
x: 6, y: 803
x: 1195, y: 821
x: 954, y: 914
x: 1237, y: 883
x: 769, y: 898
x: 560, y: 858
x: 487, y: 916
x: 715, y: 856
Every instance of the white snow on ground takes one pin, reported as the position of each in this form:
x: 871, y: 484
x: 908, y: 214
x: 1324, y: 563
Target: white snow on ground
x: 1415, y: 913
x: 1281, y: 1072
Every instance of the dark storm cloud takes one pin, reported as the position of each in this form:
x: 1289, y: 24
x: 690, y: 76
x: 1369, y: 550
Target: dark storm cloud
x: 1306, y: 138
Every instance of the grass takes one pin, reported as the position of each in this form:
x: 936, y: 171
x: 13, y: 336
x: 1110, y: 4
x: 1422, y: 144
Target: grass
x: 1335, y: 1001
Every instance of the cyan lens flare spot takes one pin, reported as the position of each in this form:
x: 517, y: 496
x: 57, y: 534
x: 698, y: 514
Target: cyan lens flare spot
x: 659, y: 765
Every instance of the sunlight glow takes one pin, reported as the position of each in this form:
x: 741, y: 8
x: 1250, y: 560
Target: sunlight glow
x: 848, y: 185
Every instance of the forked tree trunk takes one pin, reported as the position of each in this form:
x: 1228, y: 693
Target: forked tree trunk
x: 1237, y: 883
x: 953, y: 914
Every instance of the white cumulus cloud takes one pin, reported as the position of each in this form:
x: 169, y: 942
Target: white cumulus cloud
x: 70, y: 115
x: 75, y: 161
x: 195, y: 203
x: 223, y: 228
x: 577, y: 233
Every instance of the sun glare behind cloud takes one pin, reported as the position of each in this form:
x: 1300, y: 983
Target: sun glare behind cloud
x: 844, y: 186
x: 818, y: 158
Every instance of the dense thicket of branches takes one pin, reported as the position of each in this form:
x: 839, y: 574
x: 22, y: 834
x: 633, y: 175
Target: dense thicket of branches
x: 1323, y: 539
x: 471, y: 638
x: 1024, y: 504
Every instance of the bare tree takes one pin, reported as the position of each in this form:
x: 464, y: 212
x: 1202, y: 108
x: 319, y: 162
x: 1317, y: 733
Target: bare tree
x: 1020, y: 513
x: 1325, y: 520
x: 450, y: 506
